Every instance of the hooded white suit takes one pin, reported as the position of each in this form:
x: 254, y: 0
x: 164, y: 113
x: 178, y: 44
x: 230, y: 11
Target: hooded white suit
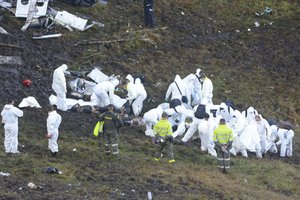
x: 174, y: 91
x: 285, y: 141
x: 206, y: 128
x: 178, y: 116
x: 151, y: 118
x: 207, y: 91
x: 136, y: 95
x: 104, y: 91
x: 238, y: 125
x: 53, y: 122
x: 249, y: 114
x: 59, y: 86
x: 194, y: 87
x: 226, y: 112
x: 10, y: 116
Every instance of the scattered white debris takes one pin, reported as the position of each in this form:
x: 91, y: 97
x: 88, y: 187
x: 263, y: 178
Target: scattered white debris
x: 4, y: 174
x: 97, y: 76
x: 29, y: 102
x: 3, y: 31
x: 38, y: 7
x: 249, y: 29
x: 5, y: 4
x: 149, y: 195
x: 237, y: 31
x: 182, y: 13
x: 74, y: 149
x: 47, y: 36
x: 31, y: 185
x: 66, y: 18
x: 256, y: 24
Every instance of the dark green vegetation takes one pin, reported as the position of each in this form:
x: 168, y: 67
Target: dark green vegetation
x: 257, y: 67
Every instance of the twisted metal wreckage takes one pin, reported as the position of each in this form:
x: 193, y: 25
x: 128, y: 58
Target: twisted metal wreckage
x: 38, y: 14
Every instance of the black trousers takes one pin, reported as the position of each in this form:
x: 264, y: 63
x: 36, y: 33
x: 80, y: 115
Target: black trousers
x: 148, y: 12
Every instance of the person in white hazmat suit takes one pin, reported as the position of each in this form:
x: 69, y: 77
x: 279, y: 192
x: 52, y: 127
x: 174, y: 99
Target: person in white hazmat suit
x: 10, y: 115
x: 285, y: 141
x: 226, y: 112
x: 136, y: 94
x: 207, y: 90
x: 249, y: 113
x: 238, y: 125
x: 205, y: 129
x: 193, y: 83
x: 60, y: 87
x: 151, y: 118
x: 178, y: 114
x: 199, y: 114
x: 251, y: 138
x: 264, y: 131
x: 53, y: 123
x: 103, y: 94
x: 177, y: 89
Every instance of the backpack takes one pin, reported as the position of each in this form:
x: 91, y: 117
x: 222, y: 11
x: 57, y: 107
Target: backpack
x: 200, y: 113
x: 174, y: 103
x: 140, y: 76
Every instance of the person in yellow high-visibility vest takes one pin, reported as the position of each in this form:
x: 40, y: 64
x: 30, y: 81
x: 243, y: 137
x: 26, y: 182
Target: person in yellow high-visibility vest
x: 223, y: 138
x: 164, y: 138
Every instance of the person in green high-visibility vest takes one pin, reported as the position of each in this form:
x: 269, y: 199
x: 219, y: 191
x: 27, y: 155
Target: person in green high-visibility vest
x: 223, y: 138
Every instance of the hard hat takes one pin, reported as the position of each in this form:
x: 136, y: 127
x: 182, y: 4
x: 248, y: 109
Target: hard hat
x: 27, y: 82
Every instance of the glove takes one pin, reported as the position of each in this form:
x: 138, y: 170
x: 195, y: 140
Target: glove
x: 171, y: 139
x: 224, y: 149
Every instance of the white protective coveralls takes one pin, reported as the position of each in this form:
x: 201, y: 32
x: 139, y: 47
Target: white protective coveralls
x: 59, y: 86
x: 238, y: 125
x: 151, y: 118
x: 226, y: 112
x: 104, y: 91
x: 136, y: 94
x: 285, y: 141
x: 207, y: 91
x: 251, y: 139
x: 174, y: 92
x: 178, y: 116
x: 193, y: 126
x: 265, y: 132
x: 10, y: 116
x: 53, y: 122
x: 194, y: 86
x: 206, y: 128
x: 250, y: 113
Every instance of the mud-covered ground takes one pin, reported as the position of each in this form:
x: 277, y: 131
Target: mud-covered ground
x: 258, y: 68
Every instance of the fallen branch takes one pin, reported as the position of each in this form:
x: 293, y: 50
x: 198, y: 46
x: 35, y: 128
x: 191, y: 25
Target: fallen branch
x: 11, y: 45
x: 101, y: 42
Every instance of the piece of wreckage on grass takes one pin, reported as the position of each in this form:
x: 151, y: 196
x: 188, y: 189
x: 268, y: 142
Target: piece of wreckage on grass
x: 38, y: 14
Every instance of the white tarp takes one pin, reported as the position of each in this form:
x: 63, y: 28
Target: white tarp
x: 29, y: 102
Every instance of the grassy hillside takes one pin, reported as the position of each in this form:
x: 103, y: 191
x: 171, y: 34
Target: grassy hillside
x: 256, y: 68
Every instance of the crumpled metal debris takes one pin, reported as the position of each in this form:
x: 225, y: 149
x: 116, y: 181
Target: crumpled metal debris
x: 52, y: 170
